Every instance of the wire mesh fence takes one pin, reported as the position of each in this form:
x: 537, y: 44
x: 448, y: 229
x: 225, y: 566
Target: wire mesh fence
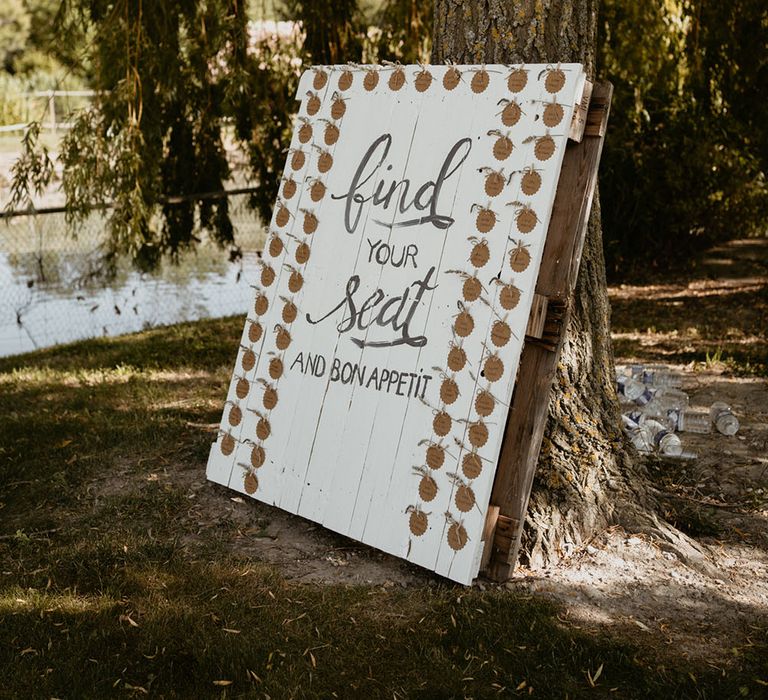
x: 52, y: 108
x: 53, y: 288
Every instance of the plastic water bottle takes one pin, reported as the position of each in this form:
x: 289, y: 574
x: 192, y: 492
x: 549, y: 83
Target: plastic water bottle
x: 633, y: 419
x: 670, y: 419
x: 632, y: 390
x: 664, y: 377
x: 638, y: 437
x: 629, y: 422
x: 723, y: 419
x: 641, y: 439
x: 657, y: 376
x: 692, y: 421
x: 639, y: 417
x: 629, y: 388
x: 646, y: 396
x: 686, y: 456
x: 665, y: 441
x: 666, y: 406
x: 652, y: 412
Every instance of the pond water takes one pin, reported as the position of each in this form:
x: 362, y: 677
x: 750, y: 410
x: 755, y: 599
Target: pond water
x: 51, y: 292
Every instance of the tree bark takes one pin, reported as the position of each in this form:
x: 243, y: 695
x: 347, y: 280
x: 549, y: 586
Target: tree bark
x: 587, y: 477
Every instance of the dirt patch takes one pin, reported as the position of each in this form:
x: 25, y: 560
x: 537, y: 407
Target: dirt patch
x: 628, y: 585
x: 302, y: 550
x: 221, y: 518
x: 716, y: 314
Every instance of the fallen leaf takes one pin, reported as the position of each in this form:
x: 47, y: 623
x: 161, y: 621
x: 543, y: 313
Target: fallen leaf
x: 599, y: 671
x: 129, y: 620
x: 222, y: 682
x: 128, y: 686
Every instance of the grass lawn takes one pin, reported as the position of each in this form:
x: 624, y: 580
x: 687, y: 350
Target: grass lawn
x: 104, y: 593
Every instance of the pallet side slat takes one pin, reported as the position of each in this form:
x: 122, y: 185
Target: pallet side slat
x: 557, y: 279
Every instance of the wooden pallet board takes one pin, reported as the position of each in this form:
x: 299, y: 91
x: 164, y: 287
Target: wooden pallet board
x: 311, y: 425
x: 556, y: 282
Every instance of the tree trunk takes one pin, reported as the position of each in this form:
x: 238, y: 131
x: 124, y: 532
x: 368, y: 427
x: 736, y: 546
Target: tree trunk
x: 587, y: 478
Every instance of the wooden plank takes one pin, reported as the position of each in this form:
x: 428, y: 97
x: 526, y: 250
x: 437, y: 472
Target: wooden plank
x: 355, y: 450
x: 548, y: 334
x: 489, y: 532
x: 579, y: 121
x: 538, y: 316
x: 330, y: 265
x: 449, y: 561
x: 557, y: 279
x: 390, y: 490
x: 230, y: 469
x: 597, y: 117
x: 271, y: 480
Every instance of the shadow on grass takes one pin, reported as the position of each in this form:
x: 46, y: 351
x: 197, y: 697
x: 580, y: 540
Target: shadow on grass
x: 114, y: 601
x: 64, y: 424
x: 134, y: 616
x: 100, y: 595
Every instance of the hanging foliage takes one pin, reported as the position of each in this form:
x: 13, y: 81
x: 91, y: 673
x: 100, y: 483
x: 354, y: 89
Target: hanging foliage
x: 403, y: 31
x: 179, y: 82
x: 186, y: 87
x: 172, y: 80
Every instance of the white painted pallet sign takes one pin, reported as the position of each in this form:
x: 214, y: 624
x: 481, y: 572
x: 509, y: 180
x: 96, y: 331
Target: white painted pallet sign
x: 377, y: 363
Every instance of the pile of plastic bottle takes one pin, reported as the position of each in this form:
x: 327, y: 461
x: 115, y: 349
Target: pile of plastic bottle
x: 655, y: 409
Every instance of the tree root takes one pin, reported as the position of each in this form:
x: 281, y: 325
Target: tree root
x: 669, y: 539
x: 554, y: 532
